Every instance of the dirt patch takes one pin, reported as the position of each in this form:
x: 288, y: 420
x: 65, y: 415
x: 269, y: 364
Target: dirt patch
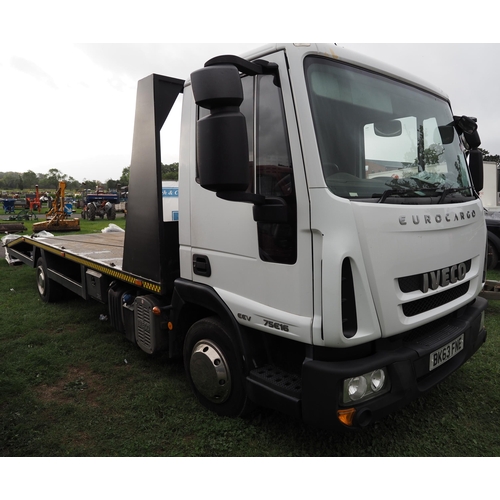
x: 79, y: 383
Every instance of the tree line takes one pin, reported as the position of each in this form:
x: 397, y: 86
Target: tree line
x: 11, y: 181
x: 488, y: 157
x: 26, y: 181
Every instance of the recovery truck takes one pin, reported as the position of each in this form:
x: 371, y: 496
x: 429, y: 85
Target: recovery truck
x: 330, y: 245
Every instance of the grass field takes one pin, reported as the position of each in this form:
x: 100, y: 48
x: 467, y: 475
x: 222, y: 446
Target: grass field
x: 71, y: 386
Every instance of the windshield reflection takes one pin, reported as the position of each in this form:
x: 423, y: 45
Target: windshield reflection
x: 379, y: 138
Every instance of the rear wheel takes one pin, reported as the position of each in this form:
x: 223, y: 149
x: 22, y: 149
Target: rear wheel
x: 49, y: 290
x: 91, y: 211
x: 215, y: 368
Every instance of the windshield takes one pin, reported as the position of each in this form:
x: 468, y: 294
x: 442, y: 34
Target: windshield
x: 382, y: 140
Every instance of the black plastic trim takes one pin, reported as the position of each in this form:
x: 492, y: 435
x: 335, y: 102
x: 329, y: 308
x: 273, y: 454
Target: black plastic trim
x: 408, y: 368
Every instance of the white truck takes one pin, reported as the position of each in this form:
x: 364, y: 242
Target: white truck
x: 330, y: 242
x: 490, y: 193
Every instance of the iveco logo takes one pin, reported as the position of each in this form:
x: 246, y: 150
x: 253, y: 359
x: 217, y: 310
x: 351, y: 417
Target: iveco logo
x: 437, y: 219
x: 443, y: 277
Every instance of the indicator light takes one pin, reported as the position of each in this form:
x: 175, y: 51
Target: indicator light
x: 346, y: 416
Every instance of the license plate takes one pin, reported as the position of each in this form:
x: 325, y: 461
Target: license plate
x: 445, y: 353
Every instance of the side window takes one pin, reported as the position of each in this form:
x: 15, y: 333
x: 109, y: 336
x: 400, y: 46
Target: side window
x: 273, y: 173
x: 247, y: 109
x: 270, y: 165
x: 274, y: 166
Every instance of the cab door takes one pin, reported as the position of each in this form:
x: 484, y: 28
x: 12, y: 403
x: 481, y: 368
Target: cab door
x: 261, y: 270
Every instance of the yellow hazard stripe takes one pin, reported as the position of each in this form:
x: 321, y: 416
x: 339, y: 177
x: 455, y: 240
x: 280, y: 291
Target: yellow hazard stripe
x: 114, y: 273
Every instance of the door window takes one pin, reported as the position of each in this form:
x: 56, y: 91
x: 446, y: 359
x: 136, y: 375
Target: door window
x: 272, y: 174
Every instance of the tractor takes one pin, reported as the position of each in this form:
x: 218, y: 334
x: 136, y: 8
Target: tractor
x: 100, y: 205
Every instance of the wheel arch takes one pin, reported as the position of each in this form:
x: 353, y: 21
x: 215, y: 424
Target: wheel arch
x: 37, y: 253
x: 194, y: 301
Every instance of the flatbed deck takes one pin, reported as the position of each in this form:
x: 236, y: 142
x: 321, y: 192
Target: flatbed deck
x: 102, y: 248
x: 101, y: 252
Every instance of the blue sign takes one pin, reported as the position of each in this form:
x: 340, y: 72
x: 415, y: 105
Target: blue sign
x: 170, y: 192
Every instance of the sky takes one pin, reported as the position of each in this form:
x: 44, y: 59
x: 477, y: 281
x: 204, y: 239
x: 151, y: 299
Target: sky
x: 69, y: 70
x: 71, y: 106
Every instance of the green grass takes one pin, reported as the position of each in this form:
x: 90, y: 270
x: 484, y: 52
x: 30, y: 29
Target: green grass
x: 86, y: 226
x: 71, y: 386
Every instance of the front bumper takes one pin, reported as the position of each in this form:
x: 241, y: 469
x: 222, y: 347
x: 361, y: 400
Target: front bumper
x: 407, y: 362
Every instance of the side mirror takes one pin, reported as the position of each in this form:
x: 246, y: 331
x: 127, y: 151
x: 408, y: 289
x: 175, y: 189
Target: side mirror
x: 222, y: 135
x: 476, y: 168
x: 222, y: 140
x: 467, y: 125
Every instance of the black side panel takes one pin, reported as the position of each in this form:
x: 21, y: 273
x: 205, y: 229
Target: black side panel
x: 189, y: 292
x: 171, y: 267
x: 145, y: 251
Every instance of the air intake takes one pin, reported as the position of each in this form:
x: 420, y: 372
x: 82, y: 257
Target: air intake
x: 349, y: 316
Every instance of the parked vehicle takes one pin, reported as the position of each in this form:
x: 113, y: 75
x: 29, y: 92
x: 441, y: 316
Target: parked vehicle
x: 100, y: 205
x: 330, y: 243
x: 493, y: 227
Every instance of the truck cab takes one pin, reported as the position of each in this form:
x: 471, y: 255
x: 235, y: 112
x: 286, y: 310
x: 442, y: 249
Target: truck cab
x: 377, y: 239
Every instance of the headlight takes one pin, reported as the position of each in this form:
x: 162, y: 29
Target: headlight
x: 356, y: 388
x: 365, y: 386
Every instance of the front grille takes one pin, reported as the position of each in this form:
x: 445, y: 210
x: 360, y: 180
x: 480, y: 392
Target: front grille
x: 413, y: 283
x: 428, y: 303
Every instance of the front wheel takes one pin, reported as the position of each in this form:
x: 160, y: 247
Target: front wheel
x: 214, y: 368
x: 91, y: 211
x: 49, y: 290
x: 111, y: 213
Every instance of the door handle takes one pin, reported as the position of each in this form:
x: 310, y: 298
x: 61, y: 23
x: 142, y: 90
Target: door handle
x: 201, y: 265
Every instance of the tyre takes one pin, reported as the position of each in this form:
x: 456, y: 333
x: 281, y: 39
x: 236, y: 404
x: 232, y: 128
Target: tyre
x: 91, y: 211
x: 111, y: 213
x: 214, y: 368
x: 49, y: 290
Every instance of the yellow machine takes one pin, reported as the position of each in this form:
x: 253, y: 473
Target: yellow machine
x: 57, y: 219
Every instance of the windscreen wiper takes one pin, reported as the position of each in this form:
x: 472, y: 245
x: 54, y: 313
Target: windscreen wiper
x: 448, y: 191
x: 403, y: 192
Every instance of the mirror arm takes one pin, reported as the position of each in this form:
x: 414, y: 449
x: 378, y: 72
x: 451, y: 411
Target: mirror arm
x: 259, y: 67
x: 271, y: 209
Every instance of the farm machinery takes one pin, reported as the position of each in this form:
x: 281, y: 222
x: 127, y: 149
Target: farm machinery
x: 100, y: 205
x: 32, y: 204
x: 57, y: 218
